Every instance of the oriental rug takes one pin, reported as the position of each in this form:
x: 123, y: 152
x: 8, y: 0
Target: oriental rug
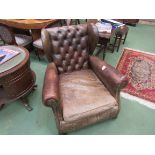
x: 139, y: 67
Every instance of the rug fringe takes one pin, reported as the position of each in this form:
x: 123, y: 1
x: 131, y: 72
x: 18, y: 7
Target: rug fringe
x: 146, y: 103
x: 151, y: 53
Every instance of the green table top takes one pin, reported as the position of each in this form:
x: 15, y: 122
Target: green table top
x: 14, y: 61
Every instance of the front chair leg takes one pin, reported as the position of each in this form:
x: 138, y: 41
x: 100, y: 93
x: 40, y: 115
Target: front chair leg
x: 119, y: 43
x: 104, y: 54
x: 125, y: 37
x: 99, y: 50
x: 37, y: 53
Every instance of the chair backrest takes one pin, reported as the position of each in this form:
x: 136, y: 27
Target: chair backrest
x: 7, y: 35
x: 92, y: 21
x: 71, y: 21
x: 68, y: 22
x: 69, y: 46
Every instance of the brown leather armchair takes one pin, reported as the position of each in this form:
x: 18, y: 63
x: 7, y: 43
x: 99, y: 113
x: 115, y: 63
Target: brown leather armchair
x: 81, y: 89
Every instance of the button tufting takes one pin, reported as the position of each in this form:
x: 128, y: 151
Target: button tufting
x: 70, y: 44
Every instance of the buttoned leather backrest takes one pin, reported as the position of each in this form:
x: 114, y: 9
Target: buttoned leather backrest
x: 69, y: 46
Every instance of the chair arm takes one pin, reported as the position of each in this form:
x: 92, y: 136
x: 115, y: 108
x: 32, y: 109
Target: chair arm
x: 110, y: 77
x: 50, y: 94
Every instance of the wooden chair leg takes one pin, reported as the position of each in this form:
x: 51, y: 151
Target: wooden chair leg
x: 104, y: 53
x: 125, y: 37
x: 105, y: 47
x: 114, y: 45
x: 37, y: 54
x: 61, y: 22
x: 2, y: 106
x: 119, y: 43
x: 78, y: 21
x: 26, y: 104
x: 98, y: 52
x: 101, y: 47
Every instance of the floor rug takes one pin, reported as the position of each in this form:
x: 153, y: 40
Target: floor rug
x: 139, y: 67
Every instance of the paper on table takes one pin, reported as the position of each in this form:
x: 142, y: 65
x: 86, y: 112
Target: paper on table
x: 115, y: 22
x: 7, y: 54
x: 2, y: 57
x: 104, y: 27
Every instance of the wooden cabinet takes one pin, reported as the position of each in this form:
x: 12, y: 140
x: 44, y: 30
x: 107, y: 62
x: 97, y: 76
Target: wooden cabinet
x: 132, y: 22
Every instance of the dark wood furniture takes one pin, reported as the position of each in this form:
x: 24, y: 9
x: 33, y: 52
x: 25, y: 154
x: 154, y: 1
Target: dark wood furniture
x: 38, y: 43
x: 81, y: 89
x: 17, y: 79
x: 132, y: 22
x: 35, y: 25
x: 9, y: 37
x: 120, y: 35
x: 105, y: 38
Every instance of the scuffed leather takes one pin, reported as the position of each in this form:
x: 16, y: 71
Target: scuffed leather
x: 51, y: 86
x: 69, y: 46
x: 83, y: 94
x: 87, y: 89
x: 111, y: 78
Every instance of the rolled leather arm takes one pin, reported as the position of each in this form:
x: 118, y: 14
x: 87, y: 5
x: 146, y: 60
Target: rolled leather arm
x: 110, y: 77
x: 51, y: 86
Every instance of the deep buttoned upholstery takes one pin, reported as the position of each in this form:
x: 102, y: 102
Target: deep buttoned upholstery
x: 81, y: 89
x: 69, y: 47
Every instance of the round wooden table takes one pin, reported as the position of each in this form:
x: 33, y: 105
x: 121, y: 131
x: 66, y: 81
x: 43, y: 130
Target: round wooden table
x: 17, y: 79
x: 35, y: 25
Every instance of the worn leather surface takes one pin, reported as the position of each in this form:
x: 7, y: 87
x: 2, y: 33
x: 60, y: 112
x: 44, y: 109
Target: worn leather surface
x: 69, y: 46
x: 86, y: 88
x: 83, y: 94
x: 111, y: 78
x: 51, y: 86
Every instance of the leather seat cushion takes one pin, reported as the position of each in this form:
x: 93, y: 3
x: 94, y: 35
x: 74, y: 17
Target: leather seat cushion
x: 38, y: 44
x: 83, y: 94
x: 23, y: 40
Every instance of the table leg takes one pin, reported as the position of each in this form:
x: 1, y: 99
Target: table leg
x: 34, y: 87
x: 2, y: 97
x: 26, y: 104
x: 98, y: 52
x: 25, y: 101
x: 119, y: 42
x: 36, y: 34
x: 2, y: 106
x: 125, y: 37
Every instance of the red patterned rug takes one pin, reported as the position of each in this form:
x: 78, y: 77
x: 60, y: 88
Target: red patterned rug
x: 139, y: 67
